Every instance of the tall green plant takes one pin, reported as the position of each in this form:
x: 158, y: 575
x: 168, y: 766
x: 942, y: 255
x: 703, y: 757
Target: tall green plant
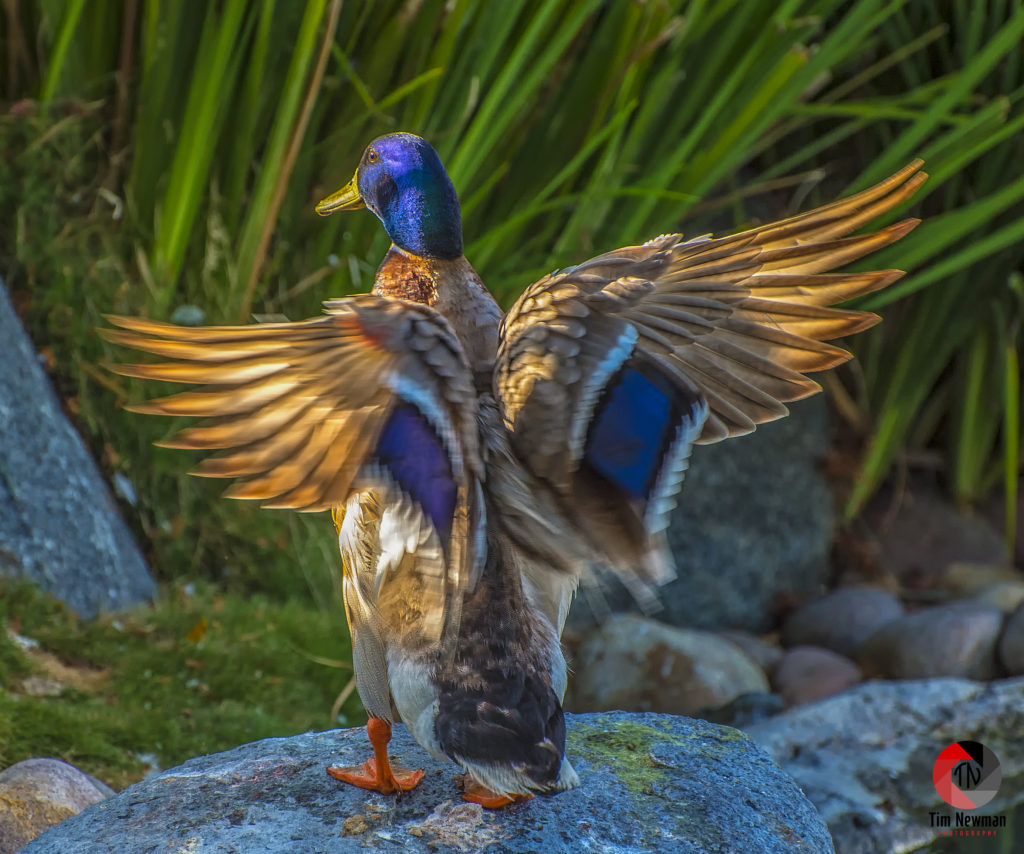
x: 571, y: 128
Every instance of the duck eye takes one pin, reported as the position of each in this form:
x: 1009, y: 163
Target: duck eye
x: 371, y: 156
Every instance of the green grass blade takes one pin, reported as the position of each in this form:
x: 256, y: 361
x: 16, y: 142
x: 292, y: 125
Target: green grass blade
x: 212, y: 81
x: 1006, y: 41
x: 65, y: 34
x: 263, y: 207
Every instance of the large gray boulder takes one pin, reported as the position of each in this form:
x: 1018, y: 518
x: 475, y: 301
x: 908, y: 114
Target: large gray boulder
x: 653, y: 783
x: 754, y: 521
x: 753, y: 524
x: 865, y: 757
x: 59, y: 526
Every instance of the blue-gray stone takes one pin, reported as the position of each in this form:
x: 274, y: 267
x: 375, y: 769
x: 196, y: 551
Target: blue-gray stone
x: 650, y: 783
x: 59, y: 525
x: 865, y: 756
x: 754, y: 521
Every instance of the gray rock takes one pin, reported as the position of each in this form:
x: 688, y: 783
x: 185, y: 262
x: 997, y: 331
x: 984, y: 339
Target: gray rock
x: 636, y: 664
x: 650, y: 783
x: 753, y: 522
x: 745, y: 710
x: 809, y: 673
x: 1007, y: 596
x: 36, y: 794
x: 864, y: 757
x: 59, y: 526
x: 842, y: 620
x: 951, y: 640
x: 752, y: 526
x: 964, y: 579
x: 1011, y: 644
x: 927, y: 533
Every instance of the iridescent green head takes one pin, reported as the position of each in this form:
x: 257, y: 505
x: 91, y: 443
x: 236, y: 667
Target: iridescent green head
x: 401, y: 180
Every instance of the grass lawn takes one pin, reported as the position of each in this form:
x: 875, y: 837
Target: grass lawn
x: 201, y: 671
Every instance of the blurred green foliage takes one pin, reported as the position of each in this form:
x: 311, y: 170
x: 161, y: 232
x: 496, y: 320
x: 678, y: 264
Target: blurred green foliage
x: 170, y: 154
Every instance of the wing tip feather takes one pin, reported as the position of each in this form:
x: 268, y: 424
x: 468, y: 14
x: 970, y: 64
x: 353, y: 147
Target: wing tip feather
x: 146, y: 407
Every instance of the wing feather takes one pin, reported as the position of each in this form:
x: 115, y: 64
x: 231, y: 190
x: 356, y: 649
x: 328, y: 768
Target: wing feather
x: 703, y: 338
x: 375, y: 398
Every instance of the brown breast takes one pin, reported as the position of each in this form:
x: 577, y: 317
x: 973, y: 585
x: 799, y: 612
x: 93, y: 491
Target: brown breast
x: 403, y: 276
x: 453, y: 288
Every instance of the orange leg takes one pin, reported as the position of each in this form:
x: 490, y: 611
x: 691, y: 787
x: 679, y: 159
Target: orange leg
x: 377, y: 773
x: 475, y: 793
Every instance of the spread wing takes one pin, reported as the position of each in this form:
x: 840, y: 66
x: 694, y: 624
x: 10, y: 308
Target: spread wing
x: 375, y: 396
x: 608, y: 372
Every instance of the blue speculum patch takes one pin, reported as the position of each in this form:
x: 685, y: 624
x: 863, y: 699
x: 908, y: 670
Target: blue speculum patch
x: 416, y: 458
x: 633, y: 427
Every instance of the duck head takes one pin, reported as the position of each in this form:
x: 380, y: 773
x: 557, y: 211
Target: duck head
x: 400, y: 178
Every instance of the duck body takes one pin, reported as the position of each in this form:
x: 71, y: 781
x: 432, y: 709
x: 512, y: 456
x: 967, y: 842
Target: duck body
x: 489, y: 697
x: 477, y: 464
x: 490, y: 700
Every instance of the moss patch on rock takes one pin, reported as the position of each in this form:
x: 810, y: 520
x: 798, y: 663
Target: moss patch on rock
x: 200, y: 672
x: 624, y: 748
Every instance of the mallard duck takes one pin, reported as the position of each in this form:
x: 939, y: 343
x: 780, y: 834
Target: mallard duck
x: 477, y: 464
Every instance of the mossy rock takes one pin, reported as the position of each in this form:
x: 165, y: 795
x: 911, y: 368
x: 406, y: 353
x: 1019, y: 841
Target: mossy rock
x: 655, y: 783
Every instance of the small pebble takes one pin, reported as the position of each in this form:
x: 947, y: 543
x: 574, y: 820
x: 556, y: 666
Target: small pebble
x: 809, y: 673
x: 39, y: 793
x: 966, y: 578
x: 842, y: 620
x: 188, y: 315
x: 745, y: 710
x: 950, y: 640
x: 354, y: 825
x: 1005, y: 595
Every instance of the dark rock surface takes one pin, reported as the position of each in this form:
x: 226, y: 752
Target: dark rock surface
x: 745, y: 710
x: 842, y: 620
x: 865, y: 757
x: 994, y: 509
x: 59, y: 526
x: 650, y: 783
x: 753, y: 522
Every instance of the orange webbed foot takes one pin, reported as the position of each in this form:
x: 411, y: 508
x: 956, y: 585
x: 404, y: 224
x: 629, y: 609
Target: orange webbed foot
x: 377, y: 773
x: 366, y: 776
x: 475, y: 793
